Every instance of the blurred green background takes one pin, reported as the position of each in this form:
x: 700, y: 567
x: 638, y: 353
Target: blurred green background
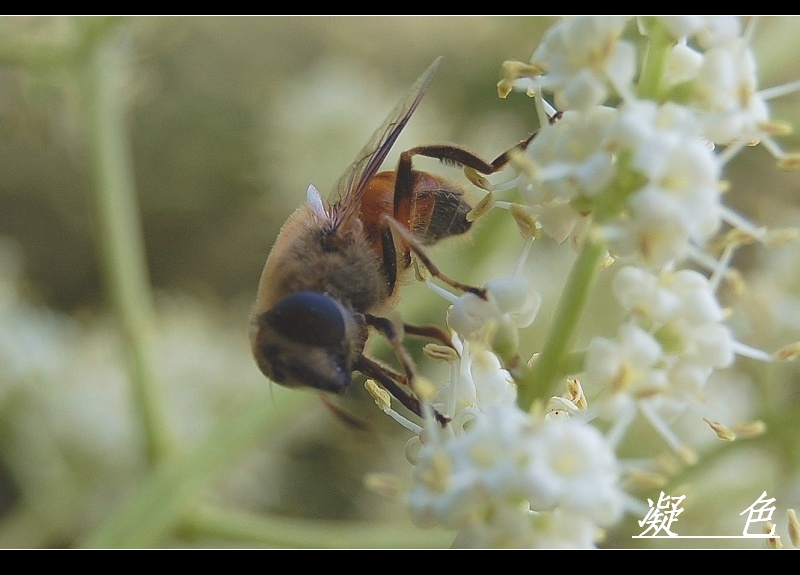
x: 230, y: 119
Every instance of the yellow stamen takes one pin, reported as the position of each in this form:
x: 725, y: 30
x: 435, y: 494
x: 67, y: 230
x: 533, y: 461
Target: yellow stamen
x: 385, y: 484
x: 749, y: 429
x: 772, y: 542
x: 687, y: 455
x: 788, y: 352
x: 380, y: 395
x: 526, y: 223
x: 723, y: 432
x: 776, y: 127
x: 576, y: 394
x: 646, y: 479
x: 481, y: 208
x: 440, y: 352
x: 424, y: 389
x: 777, y: 238
x: 437, y: 475
x: 794, y: 527
x: 790, y: 161
x: 477, y: 179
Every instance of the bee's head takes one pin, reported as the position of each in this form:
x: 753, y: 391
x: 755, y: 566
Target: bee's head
x: 308, y: 339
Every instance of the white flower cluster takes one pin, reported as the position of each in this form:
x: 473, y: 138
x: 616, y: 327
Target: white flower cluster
x: 645, y: 176
x: 719, y: 74
x: 504, y: 478
x: 671, y: 342
x: 506, y: 466
x: 584, y: 61
x: 648, y: 177
x: 510, y: 303
x: 628, y: 163
x: 572, y: 161
x: 646, y: 170
x: 678, y: 202
x: 497, y: 474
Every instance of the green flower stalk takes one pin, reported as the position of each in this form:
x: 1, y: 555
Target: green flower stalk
x: 119, y: 234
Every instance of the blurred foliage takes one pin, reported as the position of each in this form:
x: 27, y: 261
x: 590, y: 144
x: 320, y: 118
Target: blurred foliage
x: 230, y: 119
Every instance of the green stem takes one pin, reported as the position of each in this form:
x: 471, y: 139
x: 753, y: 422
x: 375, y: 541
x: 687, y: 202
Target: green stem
x: 655, y: 61
x: 538, y: 382
x: 119, y: 230
x: 169, y: 493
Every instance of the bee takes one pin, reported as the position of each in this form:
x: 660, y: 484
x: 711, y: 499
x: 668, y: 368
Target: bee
x: 336, y: 266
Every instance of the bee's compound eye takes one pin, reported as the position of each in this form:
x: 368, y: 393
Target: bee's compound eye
x: 309, y: 317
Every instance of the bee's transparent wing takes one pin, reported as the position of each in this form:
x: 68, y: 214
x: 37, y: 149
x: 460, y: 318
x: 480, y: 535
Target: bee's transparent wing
x: 351, y: 186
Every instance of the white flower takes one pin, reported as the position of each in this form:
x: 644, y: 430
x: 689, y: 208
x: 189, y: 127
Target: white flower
x: 639, y: 293
x: 707, y: 31
x: 705, y: 344
x: 567, y: 160
x: 496, y: 472
x: 458, y: 479
x: 680, y: 341
x: 683, y: 64
x: 493, y: 384
x: 503, y: 528
x: 671, y: 343
x: 642, y: 122
x: 654, y: 237
x: 687, y: 380
x: 645, y: 177
x: 661, y: 298
x: 679, y: 202
x: 479, y: 382
x: 584, y: 62
x: 681, y: 171
x: 562, y: 221
x: 511, y: 302
x: 561, y: 529
x: 504, y: 464
x: 722, y: 76
x: 570, y: 158
x: 726, y: 94
x: 572, y: 467
x: 630, y: 364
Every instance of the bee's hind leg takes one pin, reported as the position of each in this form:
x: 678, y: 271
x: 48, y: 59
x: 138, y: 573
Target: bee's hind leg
x: 408, y: 238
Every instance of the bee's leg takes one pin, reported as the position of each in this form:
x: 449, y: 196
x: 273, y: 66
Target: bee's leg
x: 387, y: 329
x: 458, y: 156
x: 404, y: 184
x: 428, y: 332
x: 403, y: 233
x: 389, y: 380
x: 343, y: 415
x: 448, y: 154
x: 401, y: 223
